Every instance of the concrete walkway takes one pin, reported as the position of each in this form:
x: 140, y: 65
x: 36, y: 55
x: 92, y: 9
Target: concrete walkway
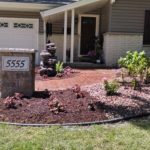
x: 82, y: 78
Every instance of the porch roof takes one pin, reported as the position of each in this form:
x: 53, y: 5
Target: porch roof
x: 79, y: 6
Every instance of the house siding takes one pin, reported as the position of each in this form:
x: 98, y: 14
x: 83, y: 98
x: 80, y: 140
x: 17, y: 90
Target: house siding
x: 57, y: 26
x: 128, y: 15
x: 117, y: 44
x: 12, y: 14
x: 105, y: 18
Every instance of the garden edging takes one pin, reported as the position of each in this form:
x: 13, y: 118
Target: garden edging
x: 115, y: 120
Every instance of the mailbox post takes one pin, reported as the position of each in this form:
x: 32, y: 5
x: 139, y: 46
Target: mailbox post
x: 17, y: 72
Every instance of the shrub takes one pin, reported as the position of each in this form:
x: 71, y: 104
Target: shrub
x: 59, y: 67
x: 111, y: 87
x: 136, y: 64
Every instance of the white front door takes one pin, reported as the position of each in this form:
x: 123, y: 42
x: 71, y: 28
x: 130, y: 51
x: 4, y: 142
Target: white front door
x: 19, y: 33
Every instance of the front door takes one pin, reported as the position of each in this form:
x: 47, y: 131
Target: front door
x: 88, y: 27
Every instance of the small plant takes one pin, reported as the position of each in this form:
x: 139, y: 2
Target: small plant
x: 59, y: 67
x: 77, y: 90
x: 92, y: 54
x: 56, y: 106
x: 111, y: 87
x: 13, y: 102
x: 98, y: 48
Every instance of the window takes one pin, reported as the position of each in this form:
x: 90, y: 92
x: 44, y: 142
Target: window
x: 23, y: 25
x: 147, y: 28
x: 48, y: 29
x: 3, y: 25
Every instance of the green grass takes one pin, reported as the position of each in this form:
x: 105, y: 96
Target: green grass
x: 134, y: 135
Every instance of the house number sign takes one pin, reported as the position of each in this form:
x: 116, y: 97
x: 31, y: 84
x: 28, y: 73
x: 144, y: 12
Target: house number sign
x: 13, y: 63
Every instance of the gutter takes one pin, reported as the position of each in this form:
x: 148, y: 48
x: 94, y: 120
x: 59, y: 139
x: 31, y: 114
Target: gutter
x: 18, y: 6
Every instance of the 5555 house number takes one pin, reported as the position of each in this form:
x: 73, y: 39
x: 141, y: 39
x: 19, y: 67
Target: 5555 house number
x: 12, y: 63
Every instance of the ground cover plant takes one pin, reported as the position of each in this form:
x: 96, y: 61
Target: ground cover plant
x: 134, y: 135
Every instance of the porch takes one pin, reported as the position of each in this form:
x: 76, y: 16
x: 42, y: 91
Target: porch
x: 74, y: 28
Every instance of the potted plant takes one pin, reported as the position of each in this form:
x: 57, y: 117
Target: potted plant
x: 98, y: 50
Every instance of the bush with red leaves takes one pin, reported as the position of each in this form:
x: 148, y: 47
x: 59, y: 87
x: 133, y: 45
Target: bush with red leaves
x: 55, y: 106
x: 13, y: 102
x: 66, y: 72
x: 77, y: 90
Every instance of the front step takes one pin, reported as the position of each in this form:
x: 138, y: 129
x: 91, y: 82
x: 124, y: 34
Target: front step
x: 85, y: 65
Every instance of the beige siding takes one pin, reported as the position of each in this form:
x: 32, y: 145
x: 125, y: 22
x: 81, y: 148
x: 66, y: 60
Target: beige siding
x: 117, y: 44
x: 59, y: 25
x: 105, y: 18
x: 58, y: 40
x: 23, y: 15
x: 128, y: 15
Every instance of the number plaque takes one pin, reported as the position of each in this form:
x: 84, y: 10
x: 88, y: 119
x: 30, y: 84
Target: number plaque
x: 12, y: 63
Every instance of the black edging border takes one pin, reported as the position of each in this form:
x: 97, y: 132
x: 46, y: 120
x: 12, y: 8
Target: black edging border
x: 111, y: 121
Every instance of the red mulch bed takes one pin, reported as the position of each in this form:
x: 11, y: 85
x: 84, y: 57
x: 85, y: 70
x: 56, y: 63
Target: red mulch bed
x: 74, y: 105
x: 43, y: 108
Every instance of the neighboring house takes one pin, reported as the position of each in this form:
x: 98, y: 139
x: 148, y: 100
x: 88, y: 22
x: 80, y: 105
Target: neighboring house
x: 122, y: 25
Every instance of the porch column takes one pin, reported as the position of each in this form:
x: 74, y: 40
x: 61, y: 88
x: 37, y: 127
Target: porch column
x: 65, y: 36
x: 72, y: 35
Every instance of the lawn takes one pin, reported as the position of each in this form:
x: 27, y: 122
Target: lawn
x: 134, y: 135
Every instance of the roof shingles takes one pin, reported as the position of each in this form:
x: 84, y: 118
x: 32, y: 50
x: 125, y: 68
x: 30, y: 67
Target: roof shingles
x: 41, y: 1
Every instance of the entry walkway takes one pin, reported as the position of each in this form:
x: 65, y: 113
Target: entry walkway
x: 83, y: 78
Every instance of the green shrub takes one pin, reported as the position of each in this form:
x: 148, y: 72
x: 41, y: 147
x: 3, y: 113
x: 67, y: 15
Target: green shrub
x: 111, y: 87
x: 137, y: 64
x: 59, y: 67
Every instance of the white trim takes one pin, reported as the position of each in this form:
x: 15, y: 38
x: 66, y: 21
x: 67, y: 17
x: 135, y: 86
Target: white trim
x: 72, y: 35
x: 69, y: 7
x: 65, y: 35
x: 79, y: 27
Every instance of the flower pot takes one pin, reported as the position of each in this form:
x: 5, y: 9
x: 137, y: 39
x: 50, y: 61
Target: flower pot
x: 98, y: 61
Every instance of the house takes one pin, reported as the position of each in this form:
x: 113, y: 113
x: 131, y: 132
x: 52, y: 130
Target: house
x: 21, y: 25
x: 121, y: 25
